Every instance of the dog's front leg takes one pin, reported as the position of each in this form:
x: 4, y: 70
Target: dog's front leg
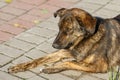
x: 51, y: 58
x: 74, y: 65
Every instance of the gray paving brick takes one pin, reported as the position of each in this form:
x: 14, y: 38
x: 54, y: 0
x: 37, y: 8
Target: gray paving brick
x: 5, y: 68
x: 88, y: 6
x: 101, y: 15
x: 72, y: 74
x: 6, y: 76
x: 87, y: 77
x: 46, y: 47
x: 9, y: 51
x: 113, y: 7
x: 22, y: 59
x: 104, y: 76
x: 4, y: 59
x: 49, y: 25
x: 30, y: 38
x: 51, y: 40
x: 20, y: 44
x: 36, y: 78
x: 35, y: 53
x: 55, y: 77
x: 106, y: 13
x: 26, y: 74
x: 47, y: 33
x: 53, y: 19
x: 116, y: 2
x: 2, y: 4
x: 84, y: 8
x: 103, y: 2
x: 73, y: 1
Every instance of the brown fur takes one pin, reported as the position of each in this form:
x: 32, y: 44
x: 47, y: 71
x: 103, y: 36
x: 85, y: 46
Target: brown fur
x: 86, y: 43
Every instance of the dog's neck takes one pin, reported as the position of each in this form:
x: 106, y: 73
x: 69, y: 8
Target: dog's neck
x: 99, y: 20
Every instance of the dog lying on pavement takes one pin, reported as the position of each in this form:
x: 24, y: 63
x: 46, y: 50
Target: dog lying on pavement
x: 85, y: 43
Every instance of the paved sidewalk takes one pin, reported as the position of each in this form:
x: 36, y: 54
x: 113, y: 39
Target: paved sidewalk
x: 27, y: 30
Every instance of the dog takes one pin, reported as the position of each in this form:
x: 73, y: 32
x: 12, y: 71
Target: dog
x: 85, y: 43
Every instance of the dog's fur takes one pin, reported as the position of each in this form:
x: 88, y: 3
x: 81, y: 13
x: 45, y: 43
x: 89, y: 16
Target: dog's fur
x: 88, y: 43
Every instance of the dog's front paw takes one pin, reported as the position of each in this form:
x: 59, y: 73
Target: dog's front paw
x: 51, y: 70
x: 14, y: 69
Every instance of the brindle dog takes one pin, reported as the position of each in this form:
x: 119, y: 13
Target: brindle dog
x: 86, y: 43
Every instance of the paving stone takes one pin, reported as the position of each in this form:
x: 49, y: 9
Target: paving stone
x: 49, y: 25
x: 26, y: 74
x: 35, y: 53
x: 55, y: 77
x: 107, y: 13
x: 48, y: 8
x: 88, y: 6
x: 103, y: 2
x: 2, y: 22
x: 115, y: 2
x: 30, y: 18
x: 41, y: 13
x: 101, y: 15
x: 84, y: 8
x: 113, y: 7
x: 2, y: 4
x: 11, y: 29
x: 46, y: 47
x: 22, y: 59
x: 1, y: 41
x: 30, y: 38
x: 12, y: 10
x: 51, y: 40
x: 35, y: 2
x: 5, y: 36
x: 21, y: 5
x: 6, y: 17
x: 73, y: 1
x: 47, y: 33
x: 4, y: 59
x: 36, y: 78
x: 87, y: 77
x: 22, y: 23
x: 11, y: 52
x: 72, y: 74
x: 20, y: 44
x: 59, y: 3
x: 104, y: 76
x: 6, y: 76
x: 5, y: 68
x: 53, y: 19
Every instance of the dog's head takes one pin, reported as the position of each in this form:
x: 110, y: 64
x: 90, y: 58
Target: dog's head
x: 73, y: 24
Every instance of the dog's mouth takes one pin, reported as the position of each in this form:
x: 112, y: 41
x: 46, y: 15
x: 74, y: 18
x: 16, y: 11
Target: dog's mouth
x: 62, y: 46
x: 68, y: 46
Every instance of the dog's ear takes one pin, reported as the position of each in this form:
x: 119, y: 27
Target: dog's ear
x: 87, y: 21
x: 90, y: 23
x: 60, y: 12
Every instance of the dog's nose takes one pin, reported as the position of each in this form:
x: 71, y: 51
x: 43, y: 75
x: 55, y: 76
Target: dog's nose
x: 55, y: 46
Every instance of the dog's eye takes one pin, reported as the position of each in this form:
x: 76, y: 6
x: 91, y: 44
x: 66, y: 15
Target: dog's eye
x: 69, y: 29
x: 65, y: 33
